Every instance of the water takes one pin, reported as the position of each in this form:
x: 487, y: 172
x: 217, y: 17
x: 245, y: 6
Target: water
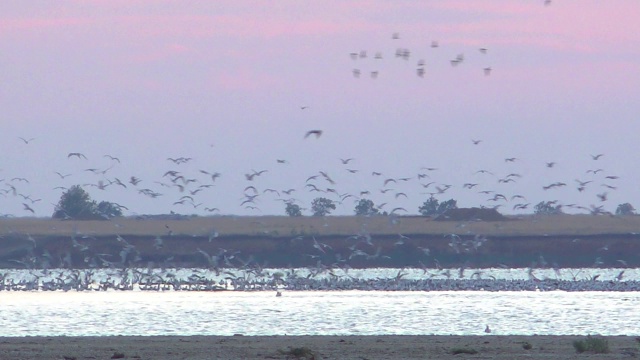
x: 111, y: 313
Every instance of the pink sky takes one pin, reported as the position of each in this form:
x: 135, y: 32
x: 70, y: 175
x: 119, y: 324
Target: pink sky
x: 147, y: 80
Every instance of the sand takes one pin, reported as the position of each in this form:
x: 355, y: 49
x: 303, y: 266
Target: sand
x: 320, y: 347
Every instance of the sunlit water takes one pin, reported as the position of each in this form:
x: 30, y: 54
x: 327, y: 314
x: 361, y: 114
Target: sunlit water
x: 317, y: 313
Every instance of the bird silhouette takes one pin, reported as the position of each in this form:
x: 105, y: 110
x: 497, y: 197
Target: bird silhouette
x: 317, y: 133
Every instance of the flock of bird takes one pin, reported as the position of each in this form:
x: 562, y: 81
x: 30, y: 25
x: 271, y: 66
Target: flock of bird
x: 258, y: 279
x: 185, y: 186
x: 375, y: 63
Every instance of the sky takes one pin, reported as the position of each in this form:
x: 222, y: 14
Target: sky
x: 235, y: 86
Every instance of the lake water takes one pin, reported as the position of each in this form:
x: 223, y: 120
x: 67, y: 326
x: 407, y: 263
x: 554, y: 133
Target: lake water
x: 109, y: 313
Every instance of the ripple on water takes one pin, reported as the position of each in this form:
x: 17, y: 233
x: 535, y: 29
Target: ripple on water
x: 318, y: 313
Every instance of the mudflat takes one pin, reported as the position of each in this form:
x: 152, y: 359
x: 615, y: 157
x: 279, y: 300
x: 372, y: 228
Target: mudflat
x: 311, y: 347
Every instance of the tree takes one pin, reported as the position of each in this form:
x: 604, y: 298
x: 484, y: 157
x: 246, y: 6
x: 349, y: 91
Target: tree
x: 365, y: 207
x: 547, y: 208
x: 432, y: 207
x: 625, y: 209
x: 429, y: 207
x: 109, y: 210
x: 75, y: 203
x: 293, y: 210
x: 322, y: 206
x: 449, y: 204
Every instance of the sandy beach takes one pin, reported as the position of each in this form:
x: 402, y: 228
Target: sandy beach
x: 310, y: 347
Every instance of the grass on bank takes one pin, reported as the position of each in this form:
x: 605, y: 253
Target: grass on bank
x: 283, y: 226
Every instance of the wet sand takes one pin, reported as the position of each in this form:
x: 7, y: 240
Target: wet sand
x: 309, y: 347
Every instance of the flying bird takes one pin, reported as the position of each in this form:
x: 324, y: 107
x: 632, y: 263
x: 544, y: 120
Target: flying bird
x: 77, y: 154
x: 112, y: 158
x: 317, y: 133
x: 28, y: 208
x: 61, y: 175
x: 26, y: 141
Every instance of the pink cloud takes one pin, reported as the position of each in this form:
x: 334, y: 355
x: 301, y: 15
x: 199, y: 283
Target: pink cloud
x: 31, y: 24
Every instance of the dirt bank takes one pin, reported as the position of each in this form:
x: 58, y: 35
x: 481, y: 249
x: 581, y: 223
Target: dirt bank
x: 310, y: 347
x: 564, y: 241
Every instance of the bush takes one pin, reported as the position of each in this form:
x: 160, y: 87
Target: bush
x: 456, y: 351
x: 597, y: 345
x: 625, y: 209
x: 432, y: 207
x: 293, y: 210
x: 547, y: 208
x: 322, y: 206
x: 366, y: 207
x: 299, y: 352
x: 75, y: 203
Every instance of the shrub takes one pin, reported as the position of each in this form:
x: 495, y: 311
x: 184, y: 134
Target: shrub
x: 433, y: 207
x: 547, y: 208
x: 456, y: 351
x: 625, y: 209
x: 597, y: 345
x: 299, y: 352
x: 365, y: 207
x: 293, y: 210
x: 322, y: 206
x: 75, y: 203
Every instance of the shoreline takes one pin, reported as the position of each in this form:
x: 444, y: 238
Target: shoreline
x: 311, y: 347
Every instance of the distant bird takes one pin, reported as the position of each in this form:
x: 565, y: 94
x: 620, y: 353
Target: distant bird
x: 304, y: 107
x: 476, y: 142
x: 112, y: 158
x: 487, y: 71
x: 487, y: 330
x: 550, y: 164
x: 28, y: 208
x: 77, y: 154
x: 26, y: 141
x: 434, y: 44
x: 134, y: 181
x: 317, y: 133
x: 346, y: 161
x: 483, y: 50
x: 395, y: 36
x: 62, y: 176
x: 596, y: 157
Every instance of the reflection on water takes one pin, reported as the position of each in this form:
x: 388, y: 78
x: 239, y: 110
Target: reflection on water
x: 318, y: 313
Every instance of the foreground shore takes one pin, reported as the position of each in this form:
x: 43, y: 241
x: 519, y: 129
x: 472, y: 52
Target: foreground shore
x: 309, y: 347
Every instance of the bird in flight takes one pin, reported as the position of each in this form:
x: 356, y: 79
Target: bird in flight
x: 596, y: 157
x: 28, y: 208
x: 62, y: 176
x: 317, y: 133
x: 476, y: 142
x: 112, y: 158
x: 26, y: 141
x: 77, y: 154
